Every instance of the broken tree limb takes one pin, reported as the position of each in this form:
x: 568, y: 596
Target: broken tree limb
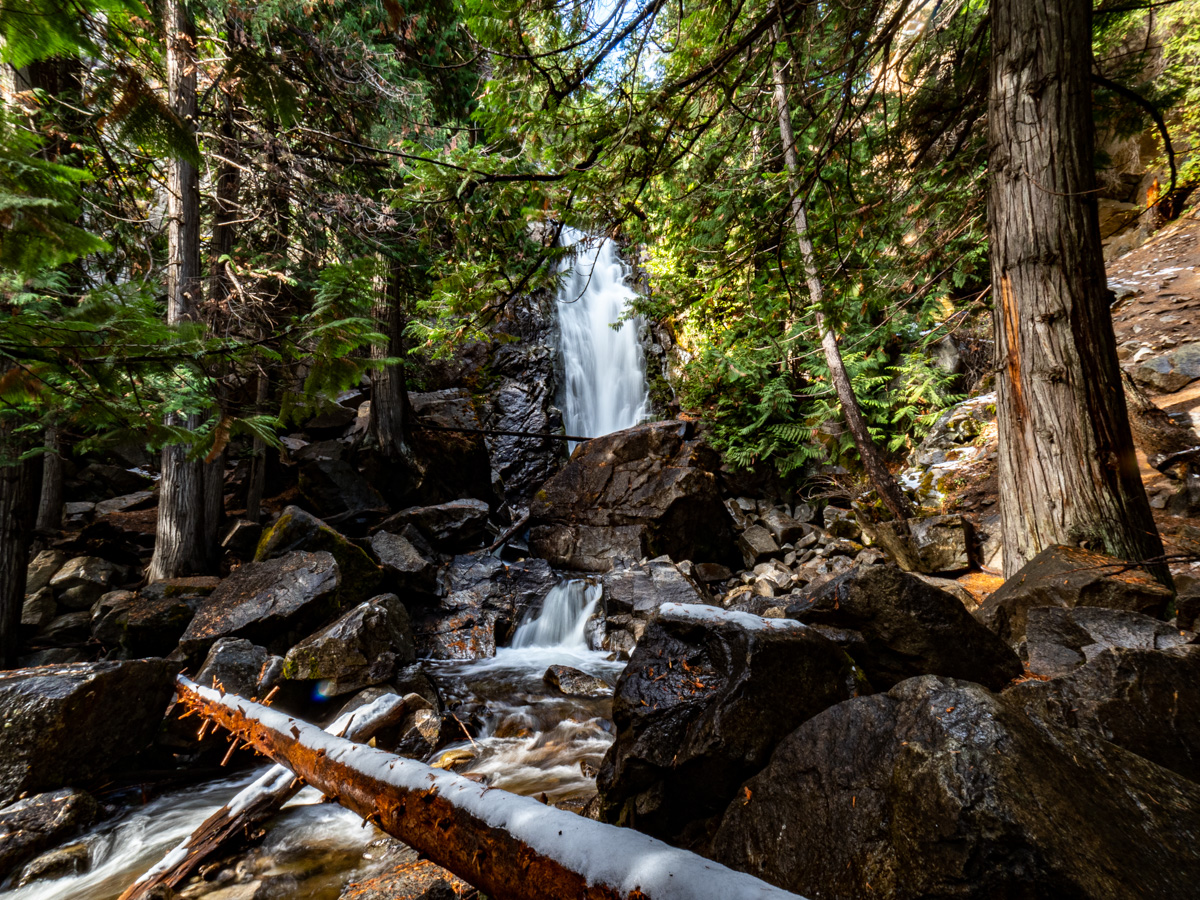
x: 262, y: 799
x: 510, y: 847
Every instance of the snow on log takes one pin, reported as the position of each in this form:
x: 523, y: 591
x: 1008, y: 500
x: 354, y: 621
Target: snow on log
x: 508, y: 846
x: 261, y: 799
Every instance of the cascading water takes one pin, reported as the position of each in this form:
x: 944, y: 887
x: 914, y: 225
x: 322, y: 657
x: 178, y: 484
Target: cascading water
x: 562, y: 622
x: 604, y: 367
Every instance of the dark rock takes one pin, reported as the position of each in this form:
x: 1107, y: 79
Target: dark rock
x: 242, y: 538
x: 273, y: 603
x: 652, y: 487
x: 296, y: 529
x: 941, y: 543
x: 111, y: 481
x: 483, y: 599
x: 711, y: 573
x: 842, y: 523
x: 69, y: 860
x: 69, y: 628
x: 332, y: 418
x: 641, y: 588
x: 949, y: 585
x: 458, y: 525
x: 145, y: 626
x: 362, y: 648
x: 52, y: 656
x: 784, y: 529
x: 1171, y: 371
x: 940, y: 789
x: 909, y: 628
x: 192, y: 587
x: 1060, y: 640
x: 44, y: 567
x: 574, y: 683
x: 1068, y: 577
x: 756, y: 543
x: 81, y: 581
x: 238, y: 667
x: 705, y: 698
x: 404, y: 566
x: 525, y: 403
x: 136, y: 500
x: 1146, y: 701
x: 333, y: 487
x: 67, y: 724
x: 30, y: 826
x: 39, y: 608
x: 1187, y: 606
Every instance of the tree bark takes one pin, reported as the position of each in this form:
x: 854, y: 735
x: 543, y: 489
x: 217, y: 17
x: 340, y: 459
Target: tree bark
x: 1068, y: 473
x: 873, y: 463
x: 389, y: 391
x: 50, y: 504
x: 258, y: 458
x: 180, y: 545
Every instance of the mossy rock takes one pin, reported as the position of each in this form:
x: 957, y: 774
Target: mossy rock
x: 297, y: 529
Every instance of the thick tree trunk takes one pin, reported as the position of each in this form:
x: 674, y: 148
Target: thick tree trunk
x: 18, y: 511
x: 1068, y: 474
x: 180, y: 545
x: 258, y: 459
x: 50, y: 505
x: 389, y: 391
x: 873, y: 463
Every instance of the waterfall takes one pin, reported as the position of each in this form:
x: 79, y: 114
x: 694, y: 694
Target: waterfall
x: 562, y: 623
x: 605, y: 385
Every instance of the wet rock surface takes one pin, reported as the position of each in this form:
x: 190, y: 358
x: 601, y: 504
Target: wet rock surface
x: 940, y: 789
x: 457, y: 525
x: 1060, y: 640
x: 575, y: 683
x: 30, y: 826
x: 633, y: 592
x: 67, y: 724
x: 908, y: 628
x: 405, y: 567
x: 238, y: 666
x: 145, y: 626
x: 706, y: 696
x: 333, y: 487
x: 297, y: 529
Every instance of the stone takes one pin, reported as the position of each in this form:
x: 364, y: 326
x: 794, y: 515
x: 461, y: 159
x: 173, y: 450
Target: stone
x: 1060, y: 640
x: 333, y: 487
x: 69, y: 628
x: 784, y: 529
x: 242, y: 538
x: 44, y: 566
x: 362, y: 648
x: 297, y: 529
x: 331, y: 418
x: 653, y: 486
x: 711, y: 573
x: 78, y: 509
x: 842, y: 523
x: 70, y: 723
x: 405, y: 568
x: 1069, y: 577
x: 951, y: 587
x: 39, y: 608
x: 909, y: 628
x: 639, y: 589
x: 237, y: 666
x: 30, y: 826
x: 81, y: 581
x: 1171, y: 371
x: 1187, y: 605
x: 774, y: 573
x: 145, y: 626
x: 136, y: 500
x: 941, y: 543
x: 525, y: 403
x: 458, y: 525
x: 803, y: 513
x: 273, y: 603
x: 113, y: 481
x: 942, y: 789
x: 192, y: 586
x: 756, y: 543
x: 69, y: 860
x: 706, y: 696
x: 574, y: 683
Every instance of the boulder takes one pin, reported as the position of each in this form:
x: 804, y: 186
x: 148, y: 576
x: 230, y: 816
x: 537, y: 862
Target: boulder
x: 524, y: 402
x: 1060, y: 640
x: 909, y: 628
x: 633, y: 592
x: 39, y: 608
x: 111, y: 481
x: 333, y: 487
x: 296, y: 529
x: 940, y: 789
x: 30, y: 826
x: 58, y: 863
x: 362, y: 648
x: 1146, y: 701
x: 406, y: 569
x: 941, y: 543
x: 653, y: 488
x: 575, y: 683
x: 136, y: 500
x: 706, y: 696
x: 242, y: 538
x: 1171, y: 371
x: 756, y: 543
x: 237, y: 666
x: 273, y: 603
x: 69, y: 628
x: 842, y: 523
x: 145, y: 626
x: 67, y: 724
x: 81, y: 581
x: 44, y: 567
x: 1068, y: 577
x: 191, y: 587
x: 783, y: 528
x: 458, y: 525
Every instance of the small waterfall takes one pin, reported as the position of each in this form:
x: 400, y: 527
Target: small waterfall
x: 562, y: 622
x: 605, y: 385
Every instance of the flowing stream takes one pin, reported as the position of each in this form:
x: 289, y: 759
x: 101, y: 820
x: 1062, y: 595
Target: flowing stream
x: 604, y: 367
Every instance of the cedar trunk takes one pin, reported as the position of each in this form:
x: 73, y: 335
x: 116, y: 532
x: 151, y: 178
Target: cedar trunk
x: 389, y: 392
x: 180, y: 544
x: 1068, y: 474
x: 50, y: 505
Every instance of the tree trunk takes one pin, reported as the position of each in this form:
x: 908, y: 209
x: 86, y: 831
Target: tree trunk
x: 50, y: 505
x: 1068, y: 474
x: 179, y: 546
x: 258, y: 459
x: 18, y: 511
x: 389, y: 392
x: 873, y: 463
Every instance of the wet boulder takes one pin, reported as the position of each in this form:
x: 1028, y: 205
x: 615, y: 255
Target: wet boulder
x: 30, y: 826
x: 706, y: 696
x: 81, y: 581
x: 58, y: 863
x: 574, y: 683
x: 458, y: 525
x: 333, y: 487
x: 145, y: 626
x: 1060, y: 640
x: 406, y: 569
x: 642, y: 492
x: 783, y: 528
x: 362, y: 648
x: 757, y: 543
x: 240, y: 667
x: 297, y: 529
x: 69, y: 628
x: 67, y: 724
x: 908, y: 628
x: 1067, y: 577
x: 274, y: 603
x: 633, y: 592
x: 940, y: 789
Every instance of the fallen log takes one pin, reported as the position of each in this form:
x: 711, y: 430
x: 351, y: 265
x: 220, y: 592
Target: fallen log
x: 261, y: 800
x: 508, y: 846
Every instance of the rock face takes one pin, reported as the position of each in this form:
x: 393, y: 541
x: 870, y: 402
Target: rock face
x: 296, y: 529
x: 1060, y: 640
x: 273, y: 603
x: 1068, y: 577
x: 633, y: 592
x: 908, y: 628
x: 458, y: 525
x: 362, y: 648
x: 940, y: 789
x: 67, y: 724
x: 405, y: 568
x: 482, y: 601
x: 705, y: 698
x: 36, y: 823
x: 646, y: 491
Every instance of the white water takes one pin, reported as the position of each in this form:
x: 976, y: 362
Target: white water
x: 605, y: 370
x: 562, y: 622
